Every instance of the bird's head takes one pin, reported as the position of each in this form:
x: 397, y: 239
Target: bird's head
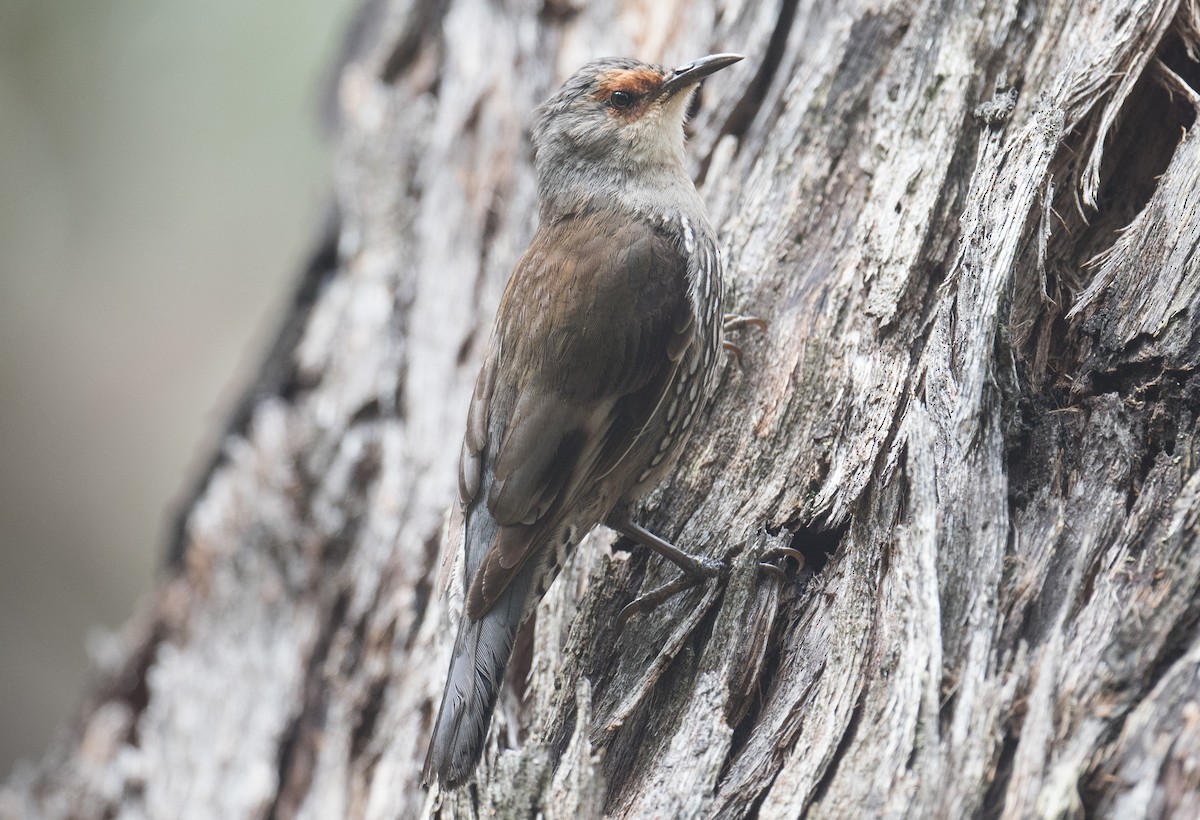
x: 618, y: 114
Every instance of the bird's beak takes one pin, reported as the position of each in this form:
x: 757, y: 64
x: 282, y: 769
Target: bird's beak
x: 688, y: 75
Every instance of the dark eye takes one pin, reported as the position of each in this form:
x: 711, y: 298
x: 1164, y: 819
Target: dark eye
x: 622, y: 100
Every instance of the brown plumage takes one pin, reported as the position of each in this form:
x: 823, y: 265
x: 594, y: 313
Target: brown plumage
x: 598, y: 315
x: 605, y: 346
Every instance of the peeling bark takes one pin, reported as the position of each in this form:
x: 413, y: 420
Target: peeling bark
x: 974, y: 227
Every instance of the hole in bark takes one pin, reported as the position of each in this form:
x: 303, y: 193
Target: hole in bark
x: 761, y: 798
x: 1141, y: 381
x: 1150, y: 127
x: 370, y: 411
x: 1174, y: 52
x: 1138, y: 150
x: 747, y: 108
x: 744, y: 730
x: 1148, y: 130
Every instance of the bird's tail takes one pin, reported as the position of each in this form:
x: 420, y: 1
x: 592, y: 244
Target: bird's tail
x: 481, y: 654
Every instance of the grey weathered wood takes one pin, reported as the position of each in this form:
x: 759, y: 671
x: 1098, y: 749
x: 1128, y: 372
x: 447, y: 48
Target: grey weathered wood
x: 974, y: 227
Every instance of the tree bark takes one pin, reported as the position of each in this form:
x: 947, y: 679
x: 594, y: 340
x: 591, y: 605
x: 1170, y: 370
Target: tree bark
x: 974, y: 228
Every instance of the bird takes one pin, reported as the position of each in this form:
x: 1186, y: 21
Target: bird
x: 605, y: 347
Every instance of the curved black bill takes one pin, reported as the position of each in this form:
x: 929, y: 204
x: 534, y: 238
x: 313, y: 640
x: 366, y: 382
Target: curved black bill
x: 688, y: 75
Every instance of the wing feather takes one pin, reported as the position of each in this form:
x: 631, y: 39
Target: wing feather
x: 594, y: 323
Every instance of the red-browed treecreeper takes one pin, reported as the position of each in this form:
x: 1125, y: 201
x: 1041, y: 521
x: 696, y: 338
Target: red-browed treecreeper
x: 605, y: 348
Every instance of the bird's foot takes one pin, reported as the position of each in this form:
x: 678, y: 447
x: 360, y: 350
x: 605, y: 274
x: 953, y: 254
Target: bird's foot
x: 696, y: 569
x: 734, y: 322
x: 773, y: 559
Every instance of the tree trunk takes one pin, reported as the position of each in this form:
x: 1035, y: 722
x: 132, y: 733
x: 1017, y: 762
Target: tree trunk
x: 974, y: 228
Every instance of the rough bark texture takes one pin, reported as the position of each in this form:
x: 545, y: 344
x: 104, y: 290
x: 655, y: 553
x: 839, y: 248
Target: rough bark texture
x: 974, y: 227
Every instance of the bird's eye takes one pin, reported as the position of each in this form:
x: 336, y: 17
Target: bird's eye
x: 622, y: 100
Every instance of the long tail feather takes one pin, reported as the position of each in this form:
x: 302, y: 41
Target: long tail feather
x: 477, y: 665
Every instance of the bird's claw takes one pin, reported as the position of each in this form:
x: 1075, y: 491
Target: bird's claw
x: 768, y: 563
x: 776, y: 553
x: 696, y: 572
x: 773, y: 570
x: 736, y: 321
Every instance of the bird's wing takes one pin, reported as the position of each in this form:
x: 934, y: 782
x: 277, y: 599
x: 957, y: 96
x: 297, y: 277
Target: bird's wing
x: 593, y: 324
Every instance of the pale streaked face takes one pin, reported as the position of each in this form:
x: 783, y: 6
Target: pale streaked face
x: 613, y: 134
x: 616, y: 106
x: 643, y: 116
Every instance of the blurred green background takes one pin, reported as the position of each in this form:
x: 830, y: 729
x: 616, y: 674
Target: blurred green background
x: 161, y: 178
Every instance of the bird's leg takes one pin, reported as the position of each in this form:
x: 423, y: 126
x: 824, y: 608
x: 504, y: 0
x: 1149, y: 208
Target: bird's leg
x: 734, y: 322
x: 693, y: 566
x: 696, y: 569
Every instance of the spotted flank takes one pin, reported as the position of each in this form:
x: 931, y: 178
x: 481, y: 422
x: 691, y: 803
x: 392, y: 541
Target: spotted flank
x: 689, y: 238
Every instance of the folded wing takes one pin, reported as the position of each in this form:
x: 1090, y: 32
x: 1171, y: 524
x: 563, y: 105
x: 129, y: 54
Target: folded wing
x: 597, y: 322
